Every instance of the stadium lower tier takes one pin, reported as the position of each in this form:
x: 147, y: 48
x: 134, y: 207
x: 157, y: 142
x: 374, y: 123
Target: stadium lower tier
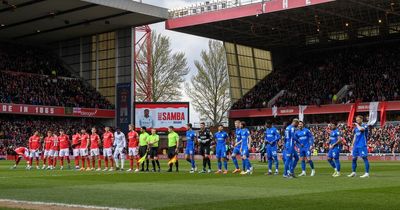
x: 15, y: 130
x: 380, y: 139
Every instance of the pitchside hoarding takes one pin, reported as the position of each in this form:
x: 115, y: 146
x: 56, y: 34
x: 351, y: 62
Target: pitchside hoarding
x: 162, y: 115
x: 24, y: 109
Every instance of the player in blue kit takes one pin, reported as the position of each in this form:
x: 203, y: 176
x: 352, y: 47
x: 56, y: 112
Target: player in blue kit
x: 189, y: 151
x: 244, y: 149
x: 335, y: 145
x: 360, y: 146
x: 271, y: 137
x: 306, y: 142
x: 237, y: 146
x: 221, y: 137
x: 282, y: 143
x: 291, y: 156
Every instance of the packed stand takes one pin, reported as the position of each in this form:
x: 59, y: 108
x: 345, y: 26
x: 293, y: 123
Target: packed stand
x: 256, y: 97
x: 315, y: 78
x: 30, y: 75
x: 30, y: 60
x: 22, y: 88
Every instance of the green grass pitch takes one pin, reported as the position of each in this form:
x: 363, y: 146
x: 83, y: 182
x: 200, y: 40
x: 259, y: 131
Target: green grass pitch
x: 208, y: 191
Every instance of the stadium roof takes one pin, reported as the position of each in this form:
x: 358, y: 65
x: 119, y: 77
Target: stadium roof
x: 286, y: 23
x: 48, y: 21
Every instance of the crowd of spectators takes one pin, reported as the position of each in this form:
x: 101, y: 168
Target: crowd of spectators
x: 15, y: 131
x: 314, y: 78
x: 23, y: 88
x: 376, y: 78
x: 30, y: 75
x: 20, y: 58
x: 262, y: 91
x: 380, y: 140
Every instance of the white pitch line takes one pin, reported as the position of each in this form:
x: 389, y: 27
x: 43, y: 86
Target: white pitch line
x: 63, y: 205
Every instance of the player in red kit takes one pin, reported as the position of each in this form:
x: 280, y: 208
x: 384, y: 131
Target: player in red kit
x: 108, y: 140
x: 132, y: 147
x: 34, y: 146
x: 21, y: 152
x: 64, y: 149
x: 76, y: 142
x: 47, y: 144
x: 94, y: 149
x: 55, y: 147
x: 83, y: 150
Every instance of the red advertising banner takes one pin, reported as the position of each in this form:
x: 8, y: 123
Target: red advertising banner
x: 91, y: 112
x: 24, y: 109
x: 324, y: 109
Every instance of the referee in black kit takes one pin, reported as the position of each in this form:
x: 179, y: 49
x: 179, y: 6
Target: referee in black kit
x: 205, y: 137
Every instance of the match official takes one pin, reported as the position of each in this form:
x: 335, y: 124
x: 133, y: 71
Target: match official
x: 143, y: 141
x: 173, y: 144
x: 153, y: 141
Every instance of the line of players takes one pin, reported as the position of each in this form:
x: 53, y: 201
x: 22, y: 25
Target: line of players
x: 298, y: 144
x: 85, y: 147
x: 86, y: 150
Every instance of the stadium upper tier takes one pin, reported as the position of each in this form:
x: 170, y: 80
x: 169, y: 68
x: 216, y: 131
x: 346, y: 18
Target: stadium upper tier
x: 20, y: 58
x: 290, y: 27
x: 366, y: 73
x: 46, y: 22
x: 23, y: 88
x: 30, y: 75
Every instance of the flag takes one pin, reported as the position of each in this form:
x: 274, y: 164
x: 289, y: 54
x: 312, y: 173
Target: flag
x: 373, y: 113
x: 383, y: 113
x: 141, y: 160
x: 275, y: 111
x: 173, y: 160
x: 301, y: 112
x: 352, y: 112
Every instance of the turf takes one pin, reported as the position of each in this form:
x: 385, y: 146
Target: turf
x: 207, y: 191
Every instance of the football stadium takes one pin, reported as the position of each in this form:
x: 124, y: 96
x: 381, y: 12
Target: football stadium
x: 180, y: 104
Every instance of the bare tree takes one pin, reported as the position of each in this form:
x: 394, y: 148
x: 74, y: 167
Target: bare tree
x: 168, y: 75
x: 209, y: 89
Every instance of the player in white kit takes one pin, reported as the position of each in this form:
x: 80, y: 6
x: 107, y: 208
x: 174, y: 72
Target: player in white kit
x: 119, y: 148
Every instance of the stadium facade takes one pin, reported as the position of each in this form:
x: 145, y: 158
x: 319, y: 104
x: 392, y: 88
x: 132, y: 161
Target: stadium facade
x: 94, y: 39
x: 265, y: 35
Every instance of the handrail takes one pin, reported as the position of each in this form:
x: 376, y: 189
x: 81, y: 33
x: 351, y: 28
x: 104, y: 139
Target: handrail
x: 275, y: 98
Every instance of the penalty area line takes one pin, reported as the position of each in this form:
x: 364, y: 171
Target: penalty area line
x: 61, y: 205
